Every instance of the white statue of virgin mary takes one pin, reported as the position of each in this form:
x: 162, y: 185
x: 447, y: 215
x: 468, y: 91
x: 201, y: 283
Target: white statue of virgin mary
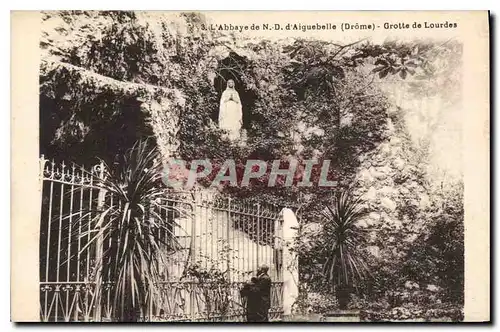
x: 230, y: 111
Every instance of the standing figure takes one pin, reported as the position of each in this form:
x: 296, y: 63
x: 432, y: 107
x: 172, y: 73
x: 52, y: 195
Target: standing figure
x: 264, y: 284
x: 251, y: 293
x: 230, y: 111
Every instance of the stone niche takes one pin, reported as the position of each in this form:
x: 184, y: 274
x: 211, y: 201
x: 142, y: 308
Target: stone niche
x: 233, y: 67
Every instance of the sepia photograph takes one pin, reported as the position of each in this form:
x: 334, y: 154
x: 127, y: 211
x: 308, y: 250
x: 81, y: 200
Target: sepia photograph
x: 245, y: 167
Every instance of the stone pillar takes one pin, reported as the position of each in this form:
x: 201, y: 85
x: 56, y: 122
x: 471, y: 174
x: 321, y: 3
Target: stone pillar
x: 164, y: 116
x: 290, y: 261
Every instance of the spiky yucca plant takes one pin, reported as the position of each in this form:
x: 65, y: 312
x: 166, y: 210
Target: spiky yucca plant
x: 131, y: 221
x: 344, y: 266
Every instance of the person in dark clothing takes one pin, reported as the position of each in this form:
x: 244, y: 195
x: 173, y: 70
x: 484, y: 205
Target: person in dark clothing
x: 264, y: 285
x: 251, y: 292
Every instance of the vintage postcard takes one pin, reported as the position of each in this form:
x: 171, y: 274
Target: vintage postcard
x: 250, y: 166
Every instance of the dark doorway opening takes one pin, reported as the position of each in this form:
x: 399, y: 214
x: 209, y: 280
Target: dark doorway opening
x: 111, y: 130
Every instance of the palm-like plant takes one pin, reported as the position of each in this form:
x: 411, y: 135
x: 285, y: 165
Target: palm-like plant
x: 344, y: 266
x: 131, y: 220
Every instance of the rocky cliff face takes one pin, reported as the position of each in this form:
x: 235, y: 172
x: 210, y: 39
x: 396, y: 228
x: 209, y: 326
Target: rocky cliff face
x: 100, y: 115
x: 392, y: 184
x: 102, y: 85
x: 408, y: 178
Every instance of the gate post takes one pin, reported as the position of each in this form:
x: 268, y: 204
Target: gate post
x: 290, y: 261
x: 99, y: 285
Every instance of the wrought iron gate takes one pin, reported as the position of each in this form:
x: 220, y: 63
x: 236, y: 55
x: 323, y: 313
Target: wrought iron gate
x: 222, y: 236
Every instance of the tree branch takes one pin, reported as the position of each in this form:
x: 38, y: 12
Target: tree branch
x: 343, y: 47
